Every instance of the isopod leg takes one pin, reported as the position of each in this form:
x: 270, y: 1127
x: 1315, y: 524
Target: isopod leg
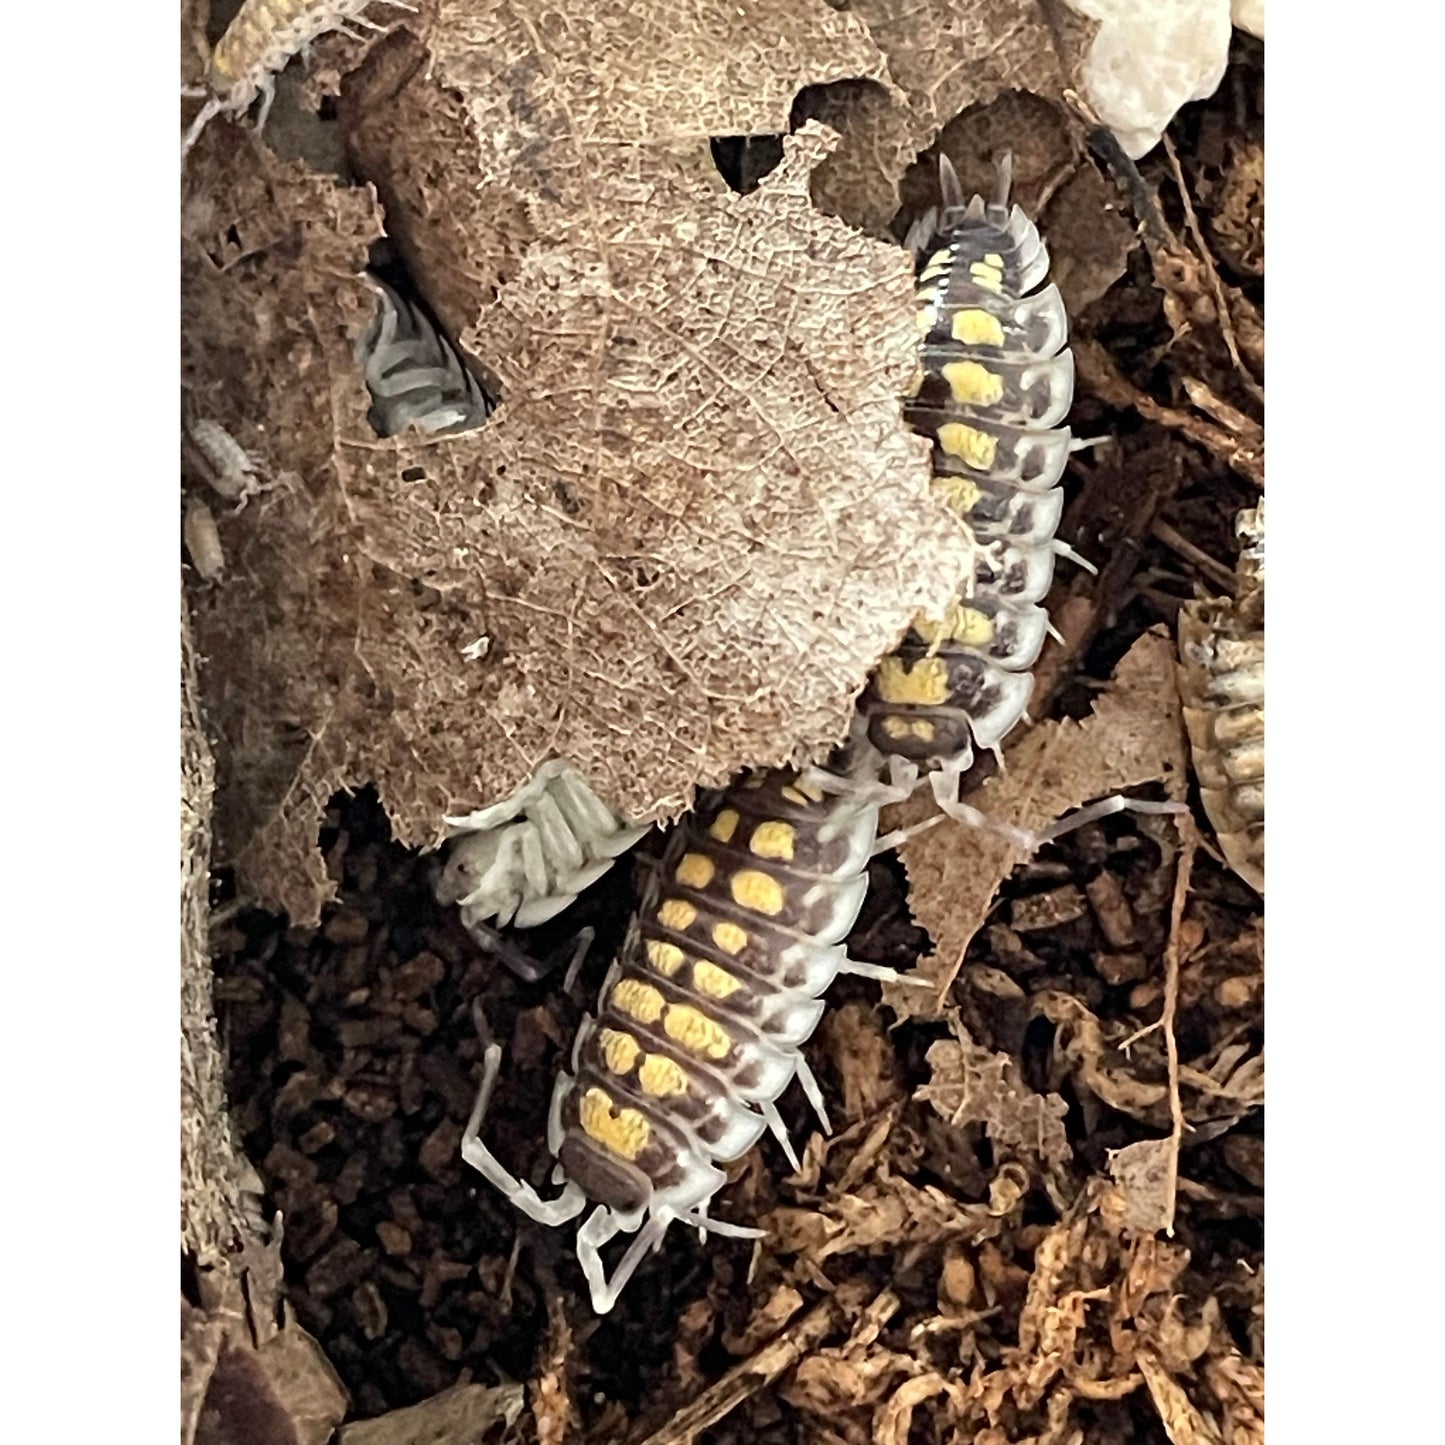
x: 1105, y: 808
x: 779, y: 1130
x: 813, y: 1094
x: 567, y: 1205
x: 207, y: 113
x: 601, y: 1225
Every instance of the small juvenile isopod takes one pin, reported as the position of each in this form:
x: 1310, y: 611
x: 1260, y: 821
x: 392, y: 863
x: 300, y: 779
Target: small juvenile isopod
x: 258, y: 43
x: 228, y: 468
x: 203, y: 540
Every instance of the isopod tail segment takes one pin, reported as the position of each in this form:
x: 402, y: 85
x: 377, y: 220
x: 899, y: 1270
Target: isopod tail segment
x: 702, y: 1017
x: 256, y: 46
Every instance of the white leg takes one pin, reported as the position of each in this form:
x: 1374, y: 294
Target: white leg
x: 779, y: 1130
x: 881, y: 973
x: 813, y: 1093
x: 567, y: 1205
x: 886, y: 842
x: 268, y: 96
x: 705, y: 1226
x: 600, y: 1227
x: 945, y: 790
x: 1105, y: 808
x: 208, y: 112
x: 584, y: 941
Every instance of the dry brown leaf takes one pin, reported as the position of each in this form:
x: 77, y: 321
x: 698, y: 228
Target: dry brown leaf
x: 1097, y: 1061
x: 507, y: 113
x: 886, y: 1213
x: 201, y: 1337
x: 972, y: 1085
x: 463, y: 1413
x: 1142, y: 1172
x: 553, y: 1412
x: 688, y: 534
x: 862, y: 1053
x: 282, y: 1390
x: 212, y: 1219
x: 1133, y: 736
x: 1239, y: 1387
x: 1183, y: 1422
x: 1090, y: 238
x: 944, y: 57
x: 894, y: 1419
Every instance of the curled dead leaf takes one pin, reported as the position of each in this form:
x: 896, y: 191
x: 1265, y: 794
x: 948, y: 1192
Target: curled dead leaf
x: 1135, y: 735
x: 973, y: 1085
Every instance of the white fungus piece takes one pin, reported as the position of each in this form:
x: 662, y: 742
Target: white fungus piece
x: 1249, y: 15
x: 524, y: 860
x: 1149, y: 58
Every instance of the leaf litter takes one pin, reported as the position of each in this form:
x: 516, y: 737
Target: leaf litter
x: 979, y: 1251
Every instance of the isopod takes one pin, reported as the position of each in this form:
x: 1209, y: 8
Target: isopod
x: 257, y: 45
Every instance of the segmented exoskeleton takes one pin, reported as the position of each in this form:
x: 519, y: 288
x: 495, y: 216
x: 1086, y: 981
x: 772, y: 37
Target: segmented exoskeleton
x: 257, y: 45
x: 414, y: 374
x: 701, y: 1018
x: 524, y: 860
x: 1221, y: 681
x: 993, y: 383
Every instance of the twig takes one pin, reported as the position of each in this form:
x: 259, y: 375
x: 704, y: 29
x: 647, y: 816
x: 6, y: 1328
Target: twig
x: 761, y: 1369
x: 1221, y: 301
x: 1217, y: 572
x: 1105, y: 144
x: 1110, y: 385
x: 1188, y: 846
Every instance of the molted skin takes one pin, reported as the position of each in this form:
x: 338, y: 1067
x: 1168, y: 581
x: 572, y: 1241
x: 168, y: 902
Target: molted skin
x: 993, y: 383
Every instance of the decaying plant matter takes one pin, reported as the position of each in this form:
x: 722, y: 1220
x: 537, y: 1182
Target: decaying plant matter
x: 690, y: 527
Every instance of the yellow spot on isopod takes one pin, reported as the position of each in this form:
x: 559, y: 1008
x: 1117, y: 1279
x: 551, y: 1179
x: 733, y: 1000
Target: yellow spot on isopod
x: 924, y: 685
x: 972, y: 384
x: 985, y: 275
x: 724, y: 826
x: 730, y: 937
x: 977, y: 328
x: 811, y: 791
x: 677, y: 914
x: 638, y: 1000
x: 697, y: 1033
x: 661, y: 1077
x: 666, y: 958
x: 974, y: 447
x: 619, y: 1050
x: 695, y: 870
x: 715, y: 982
x: 964, y: 625
x: 794, y: 796
x: 925, y: 318
x: 902, y: 727
x: 994, y: 259
x: 624, y: 1132
x: 960, y: 493
x: 759, y: 892
x: 773, y: 840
